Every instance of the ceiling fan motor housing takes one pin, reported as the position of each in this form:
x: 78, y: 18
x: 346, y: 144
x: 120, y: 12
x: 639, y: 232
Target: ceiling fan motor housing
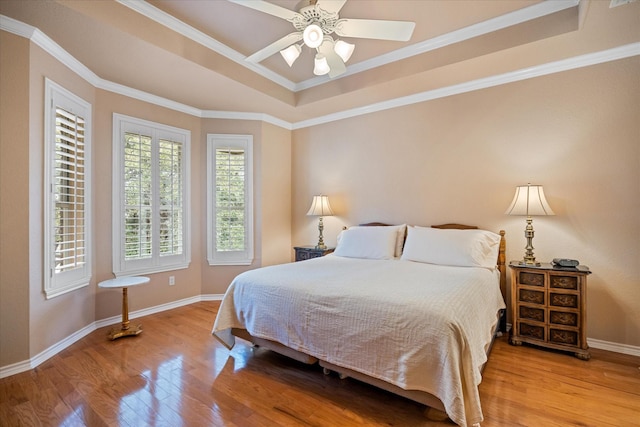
x: 315, y: 15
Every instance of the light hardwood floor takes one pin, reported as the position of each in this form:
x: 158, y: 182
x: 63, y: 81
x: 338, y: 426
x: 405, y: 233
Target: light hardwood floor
x: 176, y: 374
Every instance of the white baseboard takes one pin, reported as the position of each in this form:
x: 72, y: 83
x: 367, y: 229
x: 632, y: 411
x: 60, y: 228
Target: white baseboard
x: 148, y: 311
x: 212, y: 297
x: 606, y: 345
x: 615, y: 347
x: 16, y: 368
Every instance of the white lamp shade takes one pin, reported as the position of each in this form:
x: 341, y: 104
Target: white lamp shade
x: 321, y: 66
x: 320, y: 206
x: 313, y: 36
x: 344, y: 49
x: 291, y: 53
x: 529, y: 200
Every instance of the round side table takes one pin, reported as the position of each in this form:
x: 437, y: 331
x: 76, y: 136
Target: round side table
x: 124, y: 282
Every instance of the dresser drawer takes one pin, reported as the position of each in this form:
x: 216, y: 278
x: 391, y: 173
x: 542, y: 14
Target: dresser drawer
x: 563, y: 300
x: 563, y: 282
x: 564, y: 336
x: 564, y: 318
x: 532, y: 331
x: 308, y: 252
x: 531, y: 296
x: 303, y: 255
x: 531, y: 313
x: 531, y: 279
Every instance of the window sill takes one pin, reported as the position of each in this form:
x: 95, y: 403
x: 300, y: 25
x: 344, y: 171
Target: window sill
x: 152, y: 270
x: 214, y: 262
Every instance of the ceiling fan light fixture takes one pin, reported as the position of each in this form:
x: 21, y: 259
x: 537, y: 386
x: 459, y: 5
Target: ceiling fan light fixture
x: 344, y: 49
x: 313, y: 36
x: 311, y: 21
x: 321, y: 66
x: 291, y: 53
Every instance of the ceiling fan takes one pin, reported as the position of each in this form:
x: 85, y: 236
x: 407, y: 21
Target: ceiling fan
x: 314, y: 22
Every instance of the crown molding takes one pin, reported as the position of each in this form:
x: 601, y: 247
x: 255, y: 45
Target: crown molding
x: 236, y: 115
x: 48, y: 45
x: 174, y: 24
x: 585, y: 60
x: 498, y: 23
x: 485, y: 27
x: 16, y: 27
x: 147, y: 97
x: 51, y: 47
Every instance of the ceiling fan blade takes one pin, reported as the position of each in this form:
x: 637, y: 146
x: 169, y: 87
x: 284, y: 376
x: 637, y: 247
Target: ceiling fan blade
x: 375, y: 29
x: 336, y: 65
x: 331, y: 6
x: 275, y: 47
x: 266, y: 7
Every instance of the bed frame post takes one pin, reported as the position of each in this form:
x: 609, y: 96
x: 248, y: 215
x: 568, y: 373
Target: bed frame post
x: 502, y: 267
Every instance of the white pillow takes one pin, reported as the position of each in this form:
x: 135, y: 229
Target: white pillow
x: 401, y: 230
x: 367, y: 242
x: 465, y: 248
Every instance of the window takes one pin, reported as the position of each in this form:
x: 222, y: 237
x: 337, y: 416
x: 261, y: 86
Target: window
x: 150, y: 197
x: 229, y: 199
x: 67, y: 195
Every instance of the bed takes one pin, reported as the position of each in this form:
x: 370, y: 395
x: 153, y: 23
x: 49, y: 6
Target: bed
x: 413, y: 310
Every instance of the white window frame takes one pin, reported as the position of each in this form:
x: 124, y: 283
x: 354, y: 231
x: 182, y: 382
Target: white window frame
x: 60, y: 282
x: 155, y: 263
x: 215, y: 256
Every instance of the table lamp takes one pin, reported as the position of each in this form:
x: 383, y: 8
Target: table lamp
x: 528, y: 201
x: 320, y: 207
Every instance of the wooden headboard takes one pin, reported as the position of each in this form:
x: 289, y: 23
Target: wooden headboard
x: 501, y: 261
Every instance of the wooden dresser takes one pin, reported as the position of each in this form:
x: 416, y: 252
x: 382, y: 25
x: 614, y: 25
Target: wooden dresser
x: 548, y: 307
x: 308, y: 252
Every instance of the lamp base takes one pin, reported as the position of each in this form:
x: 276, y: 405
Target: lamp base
x: 526, y: 263
x: 529, y: 259
x: 320, y: 244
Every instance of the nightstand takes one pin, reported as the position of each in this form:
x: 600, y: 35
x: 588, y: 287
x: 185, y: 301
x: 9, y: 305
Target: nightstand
x: 549, y: 307
x: 308, y: 252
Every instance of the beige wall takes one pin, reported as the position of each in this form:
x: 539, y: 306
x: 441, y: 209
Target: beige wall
x: 29, y: 323
x: 275, y: 200
x: 458, y: 159
x: 14, y: 198
x: 51, y: 320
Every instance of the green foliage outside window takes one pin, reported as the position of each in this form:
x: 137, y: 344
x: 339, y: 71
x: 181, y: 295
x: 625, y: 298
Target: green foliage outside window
x: 230, y: 199
x: 140, y: 196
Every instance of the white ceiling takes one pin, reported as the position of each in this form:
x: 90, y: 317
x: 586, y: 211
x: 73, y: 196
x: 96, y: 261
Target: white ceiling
x: 193, y: 51
x: 243, y: 31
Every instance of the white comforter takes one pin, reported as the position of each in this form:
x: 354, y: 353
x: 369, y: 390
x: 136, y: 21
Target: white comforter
x: 417, y: 326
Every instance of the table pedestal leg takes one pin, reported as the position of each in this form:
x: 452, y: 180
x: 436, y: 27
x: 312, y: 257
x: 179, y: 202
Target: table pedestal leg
x: 125, y: 330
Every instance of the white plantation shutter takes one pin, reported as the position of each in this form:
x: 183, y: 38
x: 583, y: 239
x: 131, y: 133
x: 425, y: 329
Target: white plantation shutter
x: 230, y: 199
x: 171, y: 197
x: 137, y: 196
x: 69, y: 188
x: 67, y: 199
x: 151, y: 197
